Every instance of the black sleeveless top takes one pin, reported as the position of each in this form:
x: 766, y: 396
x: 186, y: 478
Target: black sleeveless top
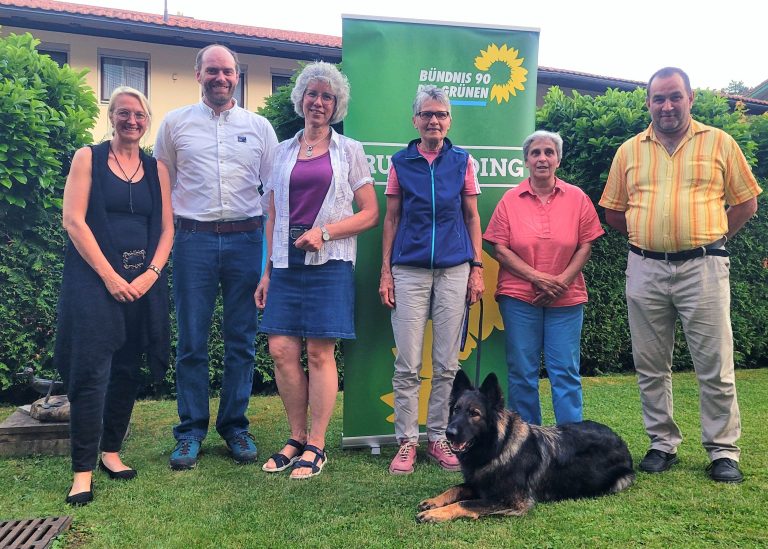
x: 129, y: 206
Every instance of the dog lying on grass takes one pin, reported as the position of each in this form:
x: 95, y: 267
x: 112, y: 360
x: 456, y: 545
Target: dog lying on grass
x: 509, y: 465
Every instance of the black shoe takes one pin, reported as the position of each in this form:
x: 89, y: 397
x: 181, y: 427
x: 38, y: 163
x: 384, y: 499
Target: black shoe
x: 656, y: 461
x: 725, y: 470
x: 81, y: 498
x: 128, y: 474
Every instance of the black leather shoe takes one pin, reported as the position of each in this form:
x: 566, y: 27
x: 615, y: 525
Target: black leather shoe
x: 725, y: 470
x: 81, y: 498
x: 656, y: 461
x: 128, y: 474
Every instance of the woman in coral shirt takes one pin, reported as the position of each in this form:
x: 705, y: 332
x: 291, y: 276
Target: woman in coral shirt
x: 542, y: 232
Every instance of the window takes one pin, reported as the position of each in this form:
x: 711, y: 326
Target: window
x: 240, y: 89
x: 58, y: 52
x: 279, y: 80
x: 122, y: 71
x: 61, y: 57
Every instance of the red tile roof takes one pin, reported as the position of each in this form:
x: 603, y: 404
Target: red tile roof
x: 179, y: 22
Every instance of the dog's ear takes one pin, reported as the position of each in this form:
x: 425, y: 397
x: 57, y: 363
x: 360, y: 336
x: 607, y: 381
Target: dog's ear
x: 461, y: 383
x: 492, y: 391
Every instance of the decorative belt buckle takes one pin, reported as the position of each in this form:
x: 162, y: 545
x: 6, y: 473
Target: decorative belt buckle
x: 134, y: 259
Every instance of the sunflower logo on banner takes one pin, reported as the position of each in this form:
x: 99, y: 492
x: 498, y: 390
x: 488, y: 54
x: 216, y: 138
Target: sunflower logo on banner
x: 499, y: 59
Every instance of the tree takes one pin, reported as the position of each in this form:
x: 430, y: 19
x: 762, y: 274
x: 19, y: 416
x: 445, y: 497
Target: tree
x: 736, y: 87
x: 46, y: 112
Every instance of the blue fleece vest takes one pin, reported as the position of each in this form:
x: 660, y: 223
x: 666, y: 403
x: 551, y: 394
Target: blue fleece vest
x: 432, y: 233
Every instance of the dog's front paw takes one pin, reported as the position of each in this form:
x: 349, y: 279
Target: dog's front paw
x: 429, y: 516
x: 427, y: 504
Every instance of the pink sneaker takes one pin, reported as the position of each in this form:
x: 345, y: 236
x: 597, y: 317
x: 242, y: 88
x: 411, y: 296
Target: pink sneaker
x: 441, y: 452
x: 404, y: 460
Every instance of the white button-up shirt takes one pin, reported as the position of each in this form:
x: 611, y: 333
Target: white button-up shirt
x: 350, y: 172
x: 215, y: 161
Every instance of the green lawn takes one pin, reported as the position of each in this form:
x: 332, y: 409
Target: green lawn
x: 356, y: 503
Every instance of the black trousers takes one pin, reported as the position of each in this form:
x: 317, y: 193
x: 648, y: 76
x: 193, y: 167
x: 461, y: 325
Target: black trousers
x: 102, y: 391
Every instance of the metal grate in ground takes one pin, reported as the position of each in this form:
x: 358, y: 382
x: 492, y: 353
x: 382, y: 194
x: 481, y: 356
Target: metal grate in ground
x: 37, y: 533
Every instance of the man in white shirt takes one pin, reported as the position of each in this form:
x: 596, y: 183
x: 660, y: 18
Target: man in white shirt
x: 214, y: 151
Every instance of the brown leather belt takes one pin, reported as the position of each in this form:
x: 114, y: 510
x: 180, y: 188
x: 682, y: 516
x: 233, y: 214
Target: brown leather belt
x: 220, y: 227
x: 710, y: 249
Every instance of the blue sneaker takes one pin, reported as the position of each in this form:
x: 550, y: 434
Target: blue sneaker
x: 184, y: 456
x: 243, y: 447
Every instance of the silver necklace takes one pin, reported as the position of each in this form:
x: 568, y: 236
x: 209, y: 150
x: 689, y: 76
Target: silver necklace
x: 129, y: 179
x: 311, y: 146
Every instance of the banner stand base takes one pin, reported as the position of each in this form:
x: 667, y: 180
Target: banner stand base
x: 374, y: 442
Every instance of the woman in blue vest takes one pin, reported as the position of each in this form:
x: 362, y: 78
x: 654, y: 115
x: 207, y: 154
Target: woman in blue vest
x: 430, y: 268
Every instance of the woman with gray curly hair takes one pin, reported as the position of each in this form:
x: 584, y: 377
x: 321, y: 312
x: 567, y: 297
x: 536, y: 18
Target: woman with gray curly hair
x: 311, y: 233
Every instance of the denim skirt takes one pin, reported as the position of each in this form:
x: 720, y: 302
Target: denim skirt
x: 311, y: 301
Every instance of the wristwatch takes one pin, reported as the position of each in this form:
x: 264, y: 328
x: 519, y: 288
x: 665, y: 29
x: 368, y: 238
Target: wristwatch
x: 326, y: 234
x: 476, y: 264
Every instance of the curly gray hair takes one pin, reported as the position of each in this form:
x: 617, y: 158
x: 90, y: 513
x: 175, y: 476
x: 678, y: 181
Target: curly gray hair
x: 323, y: 72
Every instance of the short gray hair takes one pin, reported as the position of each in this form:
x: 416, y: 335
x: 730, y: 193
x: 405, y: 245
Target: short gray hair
x: 322, y: 72
x: 542, y: 134
x: 431, y: 92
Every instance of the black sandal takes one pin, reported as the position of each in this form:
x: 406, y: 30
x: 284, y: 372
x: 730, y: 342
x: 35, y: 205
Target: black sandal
x: 282, y: 462
x: 316, y: 465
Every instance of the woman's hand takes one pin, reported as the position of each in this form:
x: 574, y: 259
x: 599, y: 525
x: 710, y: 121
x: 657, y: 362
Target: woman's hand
x: 120, y: 289
x: 260, y: 295
x: 387, y: 289
x: 549, y: 288
x: 310, y: 241
x: 144, y: 282
x: 551, y: 285
x: 475, y: 285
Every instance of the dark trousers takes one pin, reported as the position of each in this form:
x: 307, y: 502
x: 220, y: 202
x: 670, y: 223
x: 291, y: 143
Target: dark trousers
x: 102, y: 391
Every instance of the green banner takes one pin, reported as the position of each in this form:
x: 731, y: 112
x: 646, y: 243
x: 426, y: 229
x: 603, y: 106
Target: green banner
x: 490, y: 75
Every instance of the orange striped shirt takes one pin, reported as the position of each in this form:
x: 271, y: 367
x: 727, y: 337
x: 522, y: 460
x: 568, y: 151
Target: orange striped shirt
x: 677, y: 202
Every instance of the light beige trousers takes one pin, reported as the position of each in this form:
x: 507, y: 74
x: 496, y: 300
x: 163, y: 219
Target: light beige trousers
x: 420, y: 294
x: 698, y: 292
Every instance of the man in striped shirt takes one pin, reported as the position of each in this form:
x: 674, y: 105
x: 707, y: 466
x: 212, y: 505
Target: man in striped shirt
x: 667, y: 191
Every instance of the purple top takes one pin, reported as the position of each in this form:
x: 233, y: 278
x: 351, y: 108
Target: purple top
x: 310, y: 181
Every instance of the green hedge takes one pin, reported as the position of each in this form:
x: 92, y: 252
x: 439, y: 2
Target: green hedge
x: 592, y: 129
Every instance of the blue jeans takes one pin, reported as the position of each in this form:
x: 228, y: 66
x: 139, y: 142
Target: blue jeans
x: 203, y: 261
x: 556, y: 331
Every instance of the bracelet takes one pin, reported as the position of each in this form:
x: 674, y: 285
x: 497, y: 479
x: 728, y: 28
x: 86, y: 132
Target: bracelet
x: 476, y: 264
x: 155, y: 270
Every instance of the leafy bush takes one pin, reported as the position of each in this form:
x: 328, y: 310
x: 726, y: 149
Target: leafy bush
x: 592, y: 129
x: 46, y: 113
x: 30, y: 275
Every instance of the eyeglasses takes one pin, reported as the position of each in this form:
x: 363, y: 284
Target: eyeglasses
x: 426, y: 116
x: 124, y: 115
x: 324, y: 97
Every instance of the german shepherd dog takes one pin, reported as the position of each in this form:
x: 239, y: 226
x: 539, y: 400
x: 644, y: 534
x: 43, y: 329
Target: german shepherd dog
x: 509, y: 465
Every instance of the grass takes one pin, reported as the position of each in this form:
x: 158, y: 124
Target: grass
x: 356, y: 503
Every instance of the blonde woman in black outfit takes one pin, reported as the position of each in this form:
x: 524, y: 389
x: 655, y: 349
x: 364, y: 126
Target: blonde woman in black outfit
x: 113, y: 305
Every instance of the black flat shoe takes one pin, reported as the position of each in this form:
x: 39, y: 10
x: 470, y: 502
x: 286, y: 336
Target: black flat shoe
x: 81, y: 498
x: 128, y: 474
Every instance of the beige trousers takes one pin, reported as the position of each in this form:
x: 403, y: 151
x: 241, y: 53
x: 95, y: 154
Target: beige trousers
x: 698, y: 292
x: 420, y: 294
